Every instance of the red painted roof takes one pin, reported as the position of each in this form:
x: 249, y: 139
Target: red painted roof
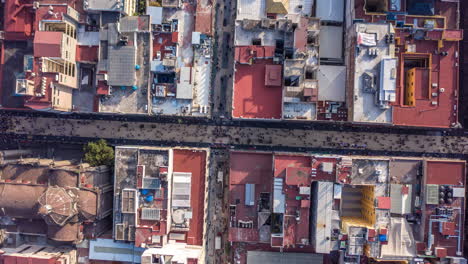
x: 300, y: 35
x: 444, y: 68
x: 175, y: 37
x: 289, y: 231
x: 142, y: 235
x: 249, y: 167
x: 273, y: 75
x: 244, y: 54
x: 425, y: 113
x: 87, y: 53
x: 42, y: 13
x: 47, y: 44
x: 194, y: 162
x: 252, y: 99
x: 448, y: 228
x: 441, y: 252
x: 298, y: 176
x: 305, y: 203
x: 254, y: 168
x: 383, y: 202
x: 102, y: 88
x: 203, y: 18
x: 243, y: 234
x: 18, y: 20
x: 437, y: 172
x: 282, y: 162
x: 160, y: 42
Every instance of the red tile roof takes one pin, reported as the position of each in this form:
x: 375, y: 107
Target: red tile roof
x: 47, y: 44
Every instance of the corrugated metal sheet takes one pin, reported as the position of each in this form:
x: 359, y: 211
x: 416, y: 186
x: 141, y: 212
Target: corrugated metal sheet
x: 323, y: 217
x: 150, y: 214
x: 109, y: 250
x: 249, y: 194
x: 387, y: 91
x: 122, y: 60
x: 278, y: 196
x: 330, y: 10
x: 156, y: 14
x: 129, y: 201
x: 181, y: 184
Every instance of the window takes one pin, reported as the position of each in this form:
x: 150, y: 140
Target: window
x: 257, y: 42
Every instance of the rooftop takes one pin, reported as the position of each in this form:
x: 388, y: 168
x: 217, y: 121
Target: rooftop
x: 43, y: 187
x: 368, y: 70
x: 156, y: 177
x: 104, y: 5
x: 252, y: 98
x: 48, y: 44
x: 300, y: 188
x: 124, y: 57
x: 417, y: 89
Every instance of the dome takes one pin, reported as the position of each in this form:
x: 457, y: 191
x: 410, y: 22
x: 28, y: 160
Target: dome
x: 57, y: 206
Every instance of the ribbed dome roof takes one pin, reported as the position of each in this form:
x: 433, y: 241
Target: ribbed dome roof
x: 57, y: 206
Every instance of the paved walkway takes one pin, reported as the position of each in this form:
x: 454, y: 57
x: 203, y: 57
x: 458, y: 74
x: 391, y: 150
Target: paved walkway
x: 255, y: 137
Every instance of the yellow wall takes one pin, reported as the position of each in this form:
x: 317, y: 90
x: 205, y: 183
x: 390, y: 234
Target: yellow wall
x: 410, y: 87
x: 367, y: 204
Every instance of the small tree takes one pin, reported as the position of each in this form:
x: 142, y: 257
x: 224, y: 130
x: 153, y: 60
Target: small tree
x: 99, y: 153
